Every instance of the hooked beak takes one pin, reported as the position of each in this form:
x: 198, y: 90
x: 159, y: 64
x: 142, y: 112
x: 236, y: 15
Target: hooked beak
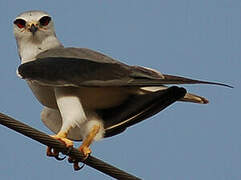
x: 33, y: 28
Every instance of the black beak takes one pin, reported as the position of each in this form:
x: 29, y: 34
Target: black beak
x: 33, y: 28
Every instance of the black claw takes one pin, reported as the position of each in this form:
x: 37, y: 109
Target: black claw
x: 53, y: 153
x: 59, y: 158
x: 77, y: 168
x: 49, y: 152
x: 71, y: 160
x: 75, y: 164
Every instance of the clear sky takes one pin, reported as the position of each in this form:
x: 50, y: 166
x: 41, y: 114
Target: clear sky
x: 197, y: 39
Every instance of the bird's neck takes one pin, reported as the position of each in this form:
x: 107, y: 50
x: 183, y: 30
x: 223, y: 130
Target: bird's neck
x: 29, y: 48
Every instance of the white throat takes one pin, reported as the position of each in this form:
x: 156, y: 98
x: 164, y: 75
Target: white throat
x: 28, y: 49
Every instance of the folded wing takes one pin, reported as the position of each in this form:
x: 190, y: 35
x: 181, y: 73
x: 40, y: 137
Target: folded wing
x: 82, y: 67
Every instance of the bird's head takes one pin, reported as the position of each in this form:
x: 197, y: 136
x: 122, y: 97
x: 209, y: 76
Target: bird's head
x: 33, y: 26
x: 34, y: 33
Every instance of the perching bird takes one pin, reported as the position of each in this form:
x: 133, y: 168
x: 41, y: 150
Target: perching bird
x: 87, y: 95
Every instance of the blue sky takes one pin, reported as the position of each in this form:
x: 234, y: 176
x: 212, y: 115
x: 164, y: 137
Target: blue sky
x: 197, y: 39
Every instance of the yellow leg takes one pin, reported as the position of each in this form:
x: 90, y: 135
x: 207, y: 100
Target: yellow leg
x: 85, y: 146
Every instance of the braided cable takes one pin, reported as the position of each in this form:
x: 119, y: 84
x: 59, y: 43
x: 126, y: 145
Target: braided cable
x: 73, y: 152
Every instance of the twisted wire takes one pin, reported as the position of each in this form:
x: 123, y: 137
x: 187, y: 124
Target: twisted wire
x: 73, y: 152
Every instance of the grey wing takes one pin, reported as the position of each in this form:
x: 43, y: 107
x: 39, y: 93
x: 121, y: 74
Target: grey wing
x: 83, y: 67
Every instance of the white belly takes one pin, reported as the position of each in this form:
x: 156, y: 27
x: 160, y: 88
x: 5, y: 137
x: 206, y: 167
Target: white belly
x: 91, y: 98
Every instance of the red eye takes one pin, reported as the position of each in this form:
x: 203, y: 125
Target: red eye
x: 44, y: 21
x: 20, y: 23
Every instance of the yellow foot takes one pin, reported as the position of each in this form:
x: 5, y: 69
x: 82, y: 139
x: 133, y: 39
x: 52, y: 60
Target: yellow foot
x: 61, y: 137
x: 67, y: 142
x: 85, y: 150
x: 85, y: 147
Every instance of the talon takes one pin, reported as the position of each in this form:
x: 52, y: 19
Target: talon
x: 77, y: 167
x: 61, y: 137
x: 76, y: 163
x: 51, y: 152
x: 59, y: 158
x: 71, y: 160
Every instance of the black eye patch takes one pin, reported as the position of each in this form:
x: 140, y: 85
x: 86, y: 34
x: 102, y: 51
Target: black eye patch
x: 44, y: 21
x: 20, y: 23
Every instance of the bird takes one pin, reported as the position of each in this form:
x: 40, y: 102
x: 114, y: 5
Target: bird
x: 87, y: 95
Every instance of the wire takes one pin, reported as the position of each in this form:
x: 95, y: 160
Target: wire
x: 73, y: 152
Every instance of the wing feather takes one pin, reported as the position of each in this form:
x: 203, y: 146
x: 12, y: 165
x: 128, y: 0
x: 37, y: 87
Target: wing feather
x: 82, y: 67
x: 139, y: 108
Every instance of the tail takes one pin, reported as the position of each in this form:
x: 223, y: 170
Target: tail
x: 143, y: 76
x: 191, y: 97
x: 182, y: 80
x: 194, y: 98
x: 187, y: 98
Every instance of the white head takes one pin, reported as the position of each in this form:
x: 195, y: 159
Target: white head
x: 34, y: 33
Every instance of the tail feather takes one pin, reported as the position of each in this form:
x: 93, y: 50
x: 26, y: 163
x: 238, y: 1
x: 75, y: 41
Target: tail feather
x: 194, y: 98
x: 187, y: 98
x: 170, y: 79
